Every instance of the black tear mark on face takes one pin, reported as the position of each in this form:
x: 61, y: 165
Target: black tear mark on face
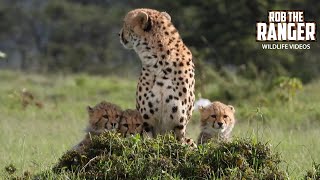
x: 123, y: 39
x: 97, y: 123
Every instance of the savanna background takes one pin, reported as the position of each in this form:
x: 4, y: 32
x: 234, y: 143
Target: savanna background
x: 67, y: 54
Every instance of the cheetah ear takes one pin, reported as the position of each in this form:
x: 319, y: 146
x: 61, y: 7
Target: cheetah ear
x: 165, y: 14
x: 89, y: 109
x: 144, y: 21
x: 201, y: 109
x: 232, y: 108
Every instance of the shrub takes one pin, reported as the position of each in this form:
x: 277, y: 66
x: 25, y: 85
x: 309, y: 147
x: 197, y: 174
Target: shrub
x: 288, y: 87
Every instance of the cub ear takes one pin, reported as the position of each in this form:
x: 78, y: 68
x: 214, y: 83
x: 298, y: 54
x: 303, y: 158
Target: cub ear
x: 201, y: 109
x: 232, y: 108
x: 165, y: 14
x: 143, y: 21
x: 89, y: 109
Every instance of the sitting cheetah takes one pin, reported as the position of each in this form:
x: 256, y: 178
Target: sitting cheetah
x: 217, y: 121
x: 130, y: 123
x: 104, y: 116
x: 165, y: 91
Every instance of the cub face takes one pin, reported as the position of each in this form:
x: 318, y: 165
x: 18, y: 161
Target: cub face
x: 217, y: 117
x: 130, y: 123
x: 139, y: 26
x: 103, y: 117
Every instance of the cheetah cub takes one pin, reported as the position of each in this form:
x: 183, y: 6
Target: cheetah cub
x: 103, y: 117
x: 130, y: 123
x: 217, y: 121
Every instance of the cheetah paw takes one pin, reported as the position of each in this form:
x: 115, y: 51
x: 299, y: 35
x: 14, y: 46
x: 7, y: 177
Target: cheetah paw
x: 189, y: 142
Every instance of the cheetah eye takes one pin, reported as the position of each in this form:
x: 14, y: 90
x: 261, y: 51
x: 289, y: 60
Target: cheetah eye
x: 225, y: 116
x: 214, y: 116
x: 105, y: 116
x: 125, y: 125
x: 117, y: 116
x: 138, y: 125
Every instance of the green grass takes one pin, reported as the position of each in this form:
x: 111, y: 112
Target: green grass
x: 33, y: 139
x: 165, y: 158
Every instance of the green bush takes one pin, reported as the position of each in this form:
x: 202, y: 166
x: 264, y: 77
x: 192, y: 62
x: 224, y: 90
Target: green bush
x: 110, y: 156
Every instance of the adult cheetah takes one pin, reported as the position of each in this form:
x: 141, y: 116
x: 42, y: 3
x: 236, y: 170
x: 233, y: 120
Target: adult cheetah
x: 165, y: 91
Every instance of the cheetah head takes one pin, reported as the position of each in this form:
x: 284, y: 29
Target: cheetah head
x: 130, y: 123
x: 103, y: 117
x: 217, y: 117
x: 140, y: 27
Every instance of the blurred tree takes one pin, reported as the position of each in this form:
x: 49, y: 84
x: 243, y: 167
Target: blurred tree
x: 81, y: 35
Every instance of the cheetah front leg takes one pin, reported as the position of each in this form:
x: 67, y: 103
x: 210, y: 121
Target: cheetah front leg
x: 180, y: 133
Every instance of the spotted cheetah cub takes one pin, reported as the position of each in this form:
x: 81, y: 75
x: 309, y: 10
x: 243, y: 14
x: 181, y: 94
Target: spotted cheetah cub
x: 130, y: 123
x: 103, y: 117
x: 217, y: 121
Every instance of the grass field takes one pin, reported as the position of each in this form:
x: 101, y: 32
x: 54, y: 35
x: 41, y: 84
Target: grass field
x: 33, y: 139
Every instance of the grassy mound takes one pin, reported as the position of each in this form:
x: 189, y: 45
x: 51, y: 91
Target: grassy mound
x: 113, y: 157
